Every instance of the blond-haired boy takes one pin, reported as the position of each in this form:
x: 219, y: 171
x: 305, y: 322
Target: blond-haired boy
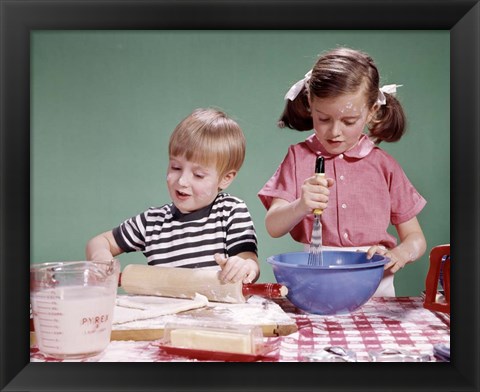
x: 203, y: 227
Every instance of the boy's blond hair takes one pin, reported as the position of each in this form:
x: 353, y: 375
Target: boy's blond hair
x: 209, y: 136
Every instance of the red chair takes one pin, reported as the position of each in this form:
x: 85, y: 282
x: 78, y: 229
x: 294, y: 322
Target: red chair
x: 439, y: 262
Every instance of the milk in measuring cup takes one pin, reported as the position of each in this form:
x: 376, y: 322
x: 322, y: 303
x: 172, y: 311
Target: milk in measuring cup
x: 73, y: 321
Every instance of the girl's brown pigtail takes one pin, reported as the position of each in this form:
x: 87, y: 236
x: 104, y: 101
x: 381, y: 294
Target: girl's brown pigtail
x: 389, y: 123
x: 296, y: 114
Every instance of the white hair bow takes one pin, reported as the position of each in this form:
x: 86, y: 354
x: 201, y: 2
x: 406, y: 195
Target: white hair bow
x: 389, y: 89
x: 297, y: 87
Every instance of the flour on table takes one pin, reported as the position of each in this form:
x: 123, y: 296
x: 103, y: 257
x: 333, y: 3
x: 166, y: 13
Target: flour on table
x: 256, y: 311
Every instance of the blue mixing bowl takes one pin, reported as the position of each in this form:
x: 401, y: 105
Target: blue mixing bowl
x: 343, y: 283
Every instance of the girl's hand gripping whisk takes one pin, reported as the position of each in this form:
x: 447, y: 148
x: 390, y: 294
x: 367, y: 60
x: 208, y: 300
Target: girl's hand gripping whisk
x: 315, y: 256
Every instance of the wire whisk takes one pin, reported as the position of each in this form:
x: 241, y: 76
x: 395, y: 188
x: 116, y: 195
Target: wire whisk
x: 315, y: 254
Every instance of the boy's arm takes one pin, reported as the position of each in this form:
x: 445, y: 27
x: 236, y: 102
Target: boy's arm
x: 102, y: 247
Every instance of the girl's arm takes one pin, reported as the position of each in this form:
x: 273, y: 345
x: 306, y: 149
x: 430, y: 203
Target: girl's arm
x: 283, y: 216
x: 412, y: 246
x: 102, y: 247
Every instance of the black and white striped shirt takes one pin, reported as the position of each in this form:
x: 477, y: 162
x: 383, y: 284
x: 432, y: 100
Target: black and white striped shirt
x: 167, y: 237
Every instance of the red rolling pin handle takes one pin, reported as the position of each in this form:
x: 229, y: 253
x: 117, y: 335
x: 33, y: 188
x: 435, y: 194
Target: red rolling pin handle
x: 267, y: 290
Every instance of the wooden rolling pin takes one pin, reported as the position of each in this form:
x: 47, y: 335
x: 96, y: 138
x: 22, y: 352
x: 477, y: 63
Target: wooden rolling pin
x: 186, y: 282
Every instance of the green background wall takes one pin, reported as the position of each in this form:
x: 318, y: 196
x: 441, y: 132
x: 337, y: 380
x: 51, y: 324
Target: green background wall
x: 105, y: 102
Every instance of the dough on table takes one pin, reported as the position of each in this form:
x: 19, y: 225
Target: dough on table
x: 141, y: 307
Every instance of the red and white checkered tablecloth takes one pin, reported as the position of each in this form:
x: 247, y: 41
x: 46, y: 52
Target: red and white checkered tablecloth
x: 399, y: 323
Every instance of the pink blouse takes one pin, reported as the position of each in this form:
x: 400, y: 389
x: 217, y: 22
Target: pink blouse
x: 371, y: 191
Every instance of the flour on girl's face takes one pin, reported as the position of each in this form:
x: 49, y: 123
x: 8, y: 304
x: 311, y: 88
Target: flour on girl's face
x: 350, y: 107
x: 339, y: 122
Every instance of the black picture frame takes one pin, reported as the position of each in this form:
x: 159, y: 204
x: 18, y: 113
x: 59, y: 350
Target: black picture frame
x: 18, y: 18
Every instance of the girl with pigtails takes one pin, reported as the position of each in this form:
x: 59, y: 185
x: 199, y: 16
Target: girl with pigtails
x: 364, y: 189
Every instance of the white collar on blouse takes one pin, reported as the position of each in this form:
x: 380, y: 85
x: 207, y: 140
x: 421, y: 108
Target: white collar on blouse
x: 360, y: 150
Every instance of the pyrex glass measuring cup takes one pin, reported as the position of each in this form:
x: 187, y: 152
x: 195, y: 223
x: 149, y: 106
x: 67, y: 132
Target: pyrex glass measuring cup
x: 73, y: 303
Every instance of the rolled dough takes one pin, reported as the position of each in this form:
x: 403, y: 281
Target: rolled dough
x: 140, y: 307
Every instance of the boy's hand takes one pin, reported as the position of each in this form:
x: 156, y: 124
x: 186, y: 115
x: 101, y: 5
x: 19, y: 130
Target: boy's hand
x: 236, y: 269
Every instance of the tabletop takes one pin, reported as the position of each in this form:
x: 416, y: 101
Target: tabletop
x: 382, y: 325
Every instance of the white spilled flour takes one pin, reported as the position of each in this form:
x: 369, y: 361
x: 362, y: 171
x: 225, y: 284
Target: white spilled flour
x: 141, y: 307
x: 256, y: 311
